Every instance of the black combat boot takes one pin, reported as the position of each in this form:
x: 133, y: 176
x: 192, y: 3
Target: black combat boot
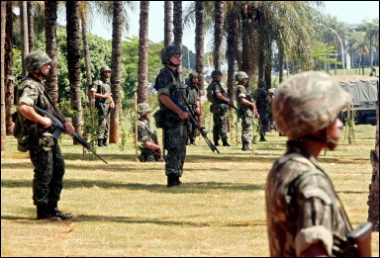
x: 225, y: 143
x: 100, y: 142
x: 54, y: 210
x: 216, y: 143
x: 105, y: 142
x: 262, y: 138
x: 245, y: 146
x: 172, y: 180
x: 43, y: 213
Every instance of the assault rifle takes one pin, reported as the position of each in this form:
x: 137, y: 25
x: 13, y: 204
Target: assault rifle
x: 194, y: 121
x: 59, y: 128
x: 99, y: 103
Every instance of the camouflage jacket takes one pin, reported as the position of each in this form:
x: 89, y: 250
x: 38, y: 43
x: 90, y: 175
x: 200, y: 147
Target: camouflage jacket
x: 144, y: 133
x: 217, y: 87
x: 32, y: 93
x: 193, y: 94
x: 302, y: 206
x: 243, y: 92
x: 102, y: 86
x: 262, y: 98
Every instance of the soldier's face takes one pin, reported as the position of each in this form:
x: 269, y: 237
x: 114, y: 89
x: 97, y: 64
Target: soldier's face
x: 195, y: 79
x: 176, y: 59
x: 106, y: 74
x: 334, y: 130
x: 45, y: 69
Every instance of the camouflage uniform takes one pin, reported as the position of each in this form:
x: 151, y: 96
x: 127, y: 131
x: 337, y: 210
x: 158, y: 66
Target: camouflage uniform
x: 262, y: 107
x: 144, y: 134
x: 302, y: 206
x: 44, y: 150
x: 103, y: 86
x: 175, y: 130
x: 192, y: 101
x: 246, y: 113
x: 220, y: 118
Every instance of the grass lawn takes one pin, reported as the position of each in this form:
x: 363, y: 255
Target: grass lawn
x: 123, y: 208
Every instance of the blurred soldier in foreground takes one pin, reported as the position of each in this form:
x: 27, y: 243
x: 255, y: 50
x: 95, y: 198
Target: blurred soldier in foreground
x: 194, y: 104
x: 174, y: 119
x: 246, y: 109
x: 217, y: 96
x: 304, y: 214
x: 150, y: 150
x: 101, y: 92
x: 44, y: 150
x: 272, y: 125
x: 262, y: 102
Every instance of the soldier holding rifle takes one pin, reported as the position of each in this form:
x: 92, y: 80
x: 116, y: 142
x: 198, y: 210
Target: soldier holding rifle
x: 44, y: 150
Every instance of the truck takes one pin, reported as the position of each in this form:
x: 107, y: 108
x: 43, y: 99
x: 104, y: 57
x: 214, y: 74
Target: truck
x: 365, y: 97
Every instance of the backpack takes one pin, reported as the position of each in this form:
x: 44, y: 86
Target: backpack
x: 210, y: 92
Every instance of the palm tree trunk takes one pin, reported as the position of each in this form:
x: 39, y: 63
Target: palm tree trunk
x: 168, y: 25
x: 51, y: 48
x: 246, y: 57
x: 142, y: 75
x: 199, y: 50
x: 218, y: 34
x: 24, y: 35
x: 29, y: 11
x: 237, y: 44
x: 231, y: 54
x: 3, y: 21
x: 178, y: 32
x: 8, y: 69
x: 117, y: 29
x: 73, y: 61
x: 281, y: 63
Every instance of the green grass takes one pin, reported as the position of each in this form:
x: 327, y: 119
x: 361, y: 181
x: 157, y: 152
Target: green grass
x: 124, y: 208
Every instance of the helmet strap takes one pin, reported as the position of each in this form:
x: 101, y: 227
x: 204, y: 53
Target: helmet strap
x: 171, y: 63
x: 323, y: 137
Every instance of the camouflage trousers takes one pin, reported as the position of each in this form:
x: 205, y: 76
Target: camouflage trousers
x: 247, y: 126
x: 49, y: 168
x: 193, y: 131
x: 104, y: 124
x: 264, y: 120
x: 175, y: 144
x: 147, y: 155
x: 220, y: 126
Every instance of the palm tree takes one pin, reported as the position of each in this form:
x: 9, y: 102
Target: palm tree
x: 3, y: 20
x: 372, y: 34
x: 168, y: 17
x: 143, y: 53
x: 357, y: 43
x: 177, y: 31
x: 73, y: 61
x: 24, y: 34
x: 51, y: 8
x: 30, y: 18
x: 117, y: 29
x: 231, y: 22
x: 218, y: 33
x: 199, y: 50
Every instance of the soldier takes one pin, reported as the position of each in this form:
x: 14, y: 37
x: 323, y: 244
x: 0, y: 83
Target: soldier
x: 44, y: 150
x: 271, y: 124
x: 194, y: 104
x: 304, y: 214
x: 373, y: 71
x: 262, y: 101
x: 216, y: 94
x: 101, y: 92
x: 150, y: 150
x: 246, y: 109
x: 168, y: 85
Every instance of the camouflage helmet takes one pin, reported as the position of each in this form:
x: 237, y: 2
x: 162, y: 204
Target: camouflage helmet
x: 168, y: 52
x: 307, y: 102
x: 143, y: 108
x: 262, y: 83
x: 35, y: 60
x: 104, y: 68
x: 192, y: 75
x: 216, y: 73
x: 239, y: 76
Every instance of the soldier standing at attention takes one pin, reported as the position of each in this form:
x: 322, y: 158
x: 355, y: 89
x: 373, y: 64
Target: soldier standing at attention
x: 262, y: 101
x: 168, y: 84
x: 304, y: 213
x: 101, y: 92
x: 246, y: 108
x: 216, y: 94
x: 150, y: 150
x: 194, y: 104
x: 45, y: 153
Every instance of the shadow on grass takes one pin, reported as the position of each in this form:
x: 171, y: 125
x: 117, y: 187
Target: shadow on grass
x: 204, y: 187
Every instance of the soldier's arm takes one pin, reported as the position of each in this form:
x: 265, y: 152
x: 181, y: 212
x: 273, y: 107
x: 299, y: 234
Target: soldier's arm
x: 220, y: 96
x: 30, y: 113
x: 165, y: 99
x: 152, y: 146
x: 247, y: 103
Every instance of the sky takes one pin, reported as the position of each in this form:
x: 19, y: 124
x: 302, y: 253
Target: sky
x: 351, y: 12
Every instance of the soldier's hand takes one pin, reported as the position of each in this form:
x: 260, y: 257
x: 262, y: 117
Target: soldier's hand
x: 184, y: 116
x: 69, y: 128
x: 106, y: 95
x: 46, y: 122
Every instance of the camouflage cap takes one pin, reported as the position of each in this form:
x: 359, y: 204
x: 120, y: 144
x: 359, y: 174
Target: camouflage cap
x: 192, y: 75
x: 35, y: 60
x: 143, y: 108
x: 216, y: 73
x: 239, y: 76
x: 271, y: 90
x: 104, y: 68
x: 169, y: 51
x: 306, y: 103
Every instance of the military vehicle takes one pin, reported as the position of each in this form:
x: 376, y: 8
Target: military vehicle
x: 365, y: 96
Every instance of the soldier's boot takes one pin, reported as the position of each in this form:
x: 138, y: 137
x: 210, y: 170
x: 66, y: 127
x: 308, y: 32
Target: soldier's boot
x: 245, y: 146
x: 43, y: 213
x: 262, y: 138
x: 216, y: 143
x: 54, y: 210
x: 225, y: 143
x: 178, y: 182
x: 105, y: 142
x: 172, y: 180
x: 100, y: 142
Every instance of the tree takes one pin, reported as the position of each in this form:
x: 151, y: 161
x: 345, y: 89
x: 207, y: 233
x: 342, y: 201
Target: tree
x: 143, y: 53
x: 177, y: 31
x: 199, y: 50
x: 218, y: 33
x: 168, y: 17
x: 357, y: 43
x: 3, y: 20
x: 117, y: 29
x: 371, y: 34
x: 73, y: 61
